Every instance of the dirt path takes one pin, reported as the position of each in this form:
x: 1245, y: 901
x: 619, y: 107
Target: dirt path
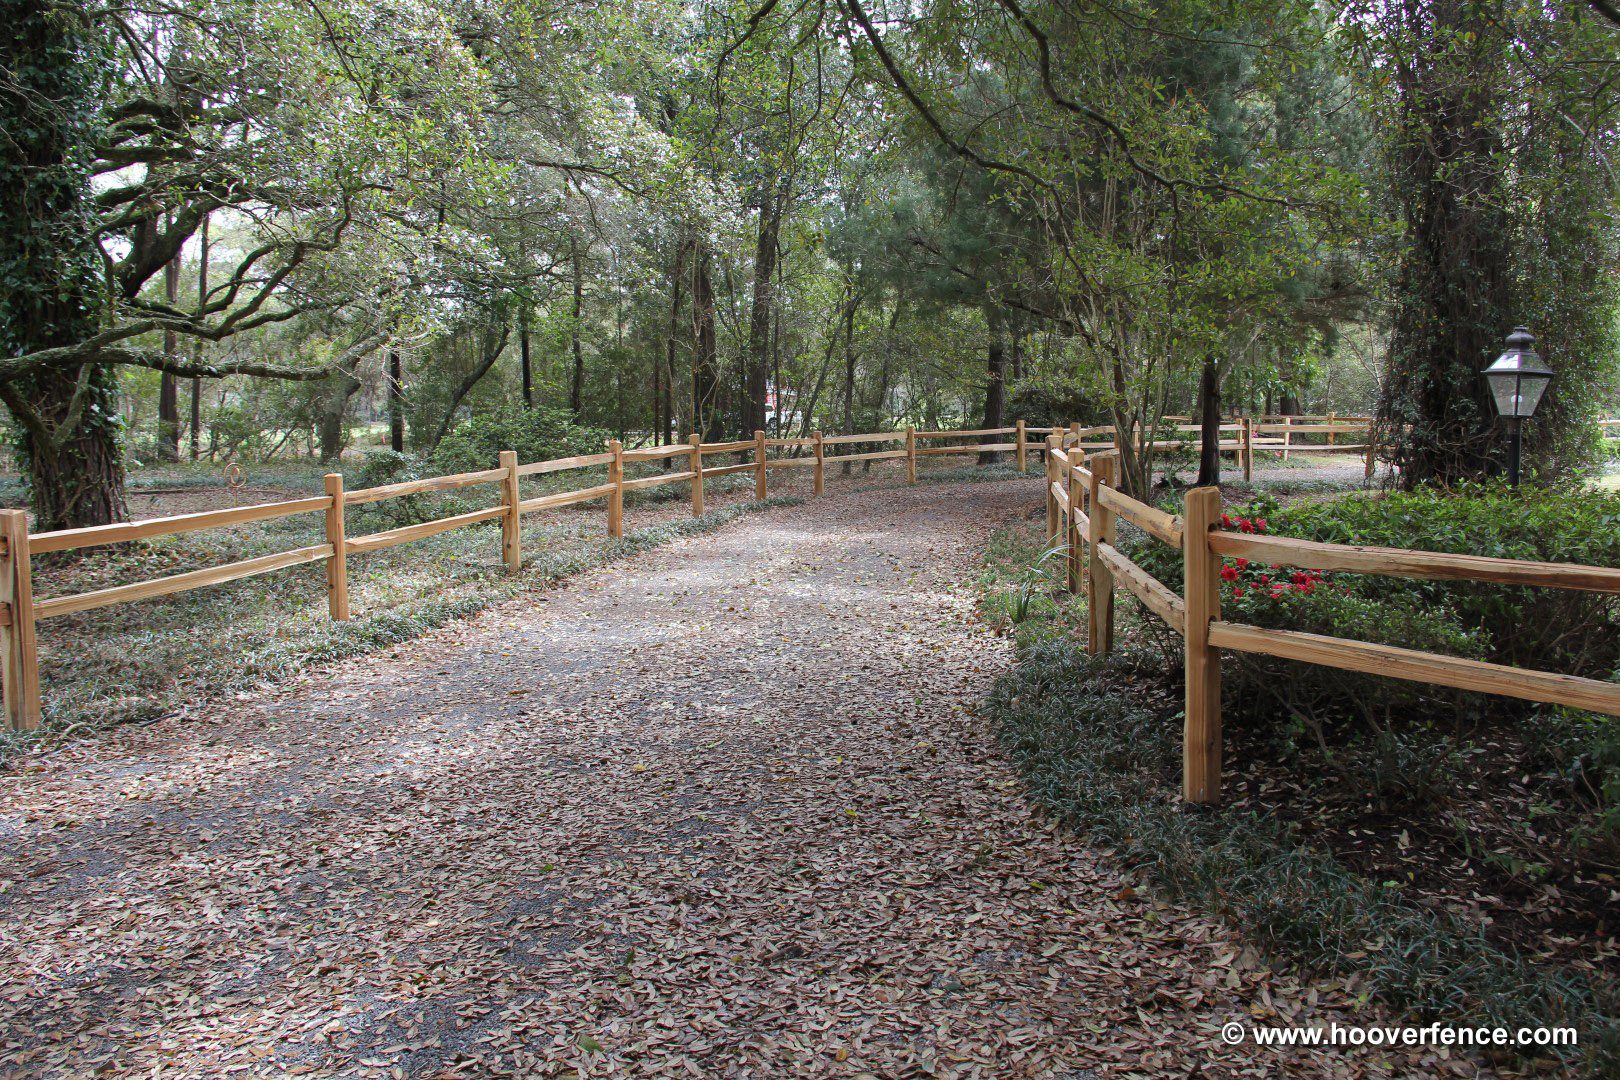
x: 724, y: 810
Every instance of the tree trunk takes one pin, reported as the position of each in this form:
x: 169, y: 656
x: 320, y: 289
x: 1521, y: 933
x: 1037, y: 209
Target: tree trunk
x: 677, y: 278
x: 396, y: 403
x: 705, y: 381
x: 576, y: 391
x: 1209, y: 421
x: 756, y: 376
x: 1454, y: 284
x: 493, y: 345
x: 850, y: 307
x: 334, y: 408
x: 75, y: 470
x: 523, y: 354
x: 168, y: 385
x: 66, y: 415
x: 196, y: 381
x: 995, y: 386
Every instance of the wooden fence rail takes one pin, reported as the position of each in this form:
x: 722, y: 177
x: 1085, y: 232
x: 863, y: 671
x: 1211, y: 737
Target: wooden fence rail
x: 1083, y: 508
x: 20, y: 611
x: 1081, y: 498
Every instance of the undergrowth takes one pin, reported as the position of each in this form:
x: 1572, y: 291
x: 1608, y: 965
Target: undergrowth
x: 1097, y: 740
x: 107, y: 666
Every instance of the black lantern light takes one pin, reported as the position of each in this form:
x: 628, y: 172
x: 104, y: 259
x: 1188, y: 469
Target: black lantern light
x: 1517, y: 380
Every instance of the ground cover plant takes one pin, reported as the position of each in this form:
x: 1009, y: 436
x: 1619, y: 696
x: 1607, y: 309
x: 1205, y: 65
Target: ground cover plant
x: 1456, y: 849
x: 137, y: 662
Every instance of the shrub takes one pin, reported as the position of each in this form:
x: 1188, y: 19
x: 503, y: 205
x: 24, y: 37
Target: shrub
x: 1562, y: 630
x: 536, y: 434
x: 1364, y: 726
x: 390, y: 467
x: 1095, y: 747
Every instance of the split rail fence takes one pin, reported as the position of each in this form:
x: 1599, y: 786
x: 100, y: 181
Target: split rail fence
x: 1083, y: 508
x: 21, y: 611
x: 1082, y: 504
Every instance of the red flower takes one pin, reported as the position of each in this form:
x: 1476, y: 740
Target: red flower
x: 1243, y: 564
x: 1259, y: 524
x: 1226, y: 521
x: 1246, y: 525
x: 1237, y: 593
x: 1265, y: 579
x: 1228, y: 573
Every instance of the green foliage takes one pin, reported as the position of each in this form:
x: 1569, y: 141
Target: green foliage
x: 538, y: 434
x: 1022, y: 589
x: 388, y: 467
x: 1562, y: 630
x: 1583, y: 750
x: 1098, y: 750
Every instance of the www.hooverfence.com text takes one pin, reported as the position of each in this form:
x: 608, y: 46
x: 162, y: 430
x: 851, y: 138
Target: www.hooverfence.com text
x: 1397, y: 1035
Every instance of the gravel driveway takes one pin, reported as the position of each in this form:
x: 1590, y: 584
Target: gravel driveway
x: 723, y: 810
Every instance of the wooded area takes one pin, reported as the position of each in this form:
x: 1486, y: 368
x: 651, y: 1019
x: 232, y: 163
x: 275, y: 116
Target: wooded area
x: 245, y: 229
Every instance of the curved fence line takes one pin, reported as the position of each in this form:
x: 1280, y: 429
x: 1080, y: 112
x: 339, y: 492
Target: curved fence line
x: 1082, y: 502
x: 1082, y: 512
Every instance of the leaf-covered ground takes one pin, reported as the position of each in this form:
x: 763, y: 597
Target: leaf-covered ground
x: 721, y: 810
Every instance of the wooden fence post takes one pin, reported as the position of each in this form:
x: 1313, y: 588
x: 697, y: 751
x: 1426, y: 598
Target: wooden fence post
x: 1076, y: 542
x: 20, y: 670
x: 1248, y: 449
x: 821, y: 466
x: 1052, y: 530
x: 1201, y: 732
x: 616, y: 499
x: 512, y: 521
x: 697, y: 474
x: 1288, y: 435
x: 1023, y: 457
x: 759, y: 465
x: 1333, y: 436
x: 1100, y: 580
x: 911, y: 454
x: 337, y: 566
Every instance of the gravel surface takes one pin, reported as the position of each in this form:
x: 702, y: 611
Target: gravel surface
x: 723, y: 810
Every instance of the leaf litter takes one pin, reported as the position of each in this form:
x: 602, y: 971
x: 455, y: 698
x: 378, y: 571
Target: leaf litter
x: 722, y: 811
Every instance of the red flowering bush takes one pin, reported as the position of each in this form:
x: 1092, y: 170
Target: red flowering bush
x: 1276, y: 596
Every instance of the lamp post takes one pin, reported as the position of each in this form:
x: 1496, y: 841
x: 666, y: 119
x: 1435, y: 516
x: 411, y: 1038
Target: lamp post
x: 1517, y: 380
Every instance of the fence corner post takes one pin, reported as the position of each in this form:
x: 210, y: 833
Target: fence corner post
x: 1201, y: 733
x: 1023, y: 456
x: 697, y: 474
x: 20, y: 670
x: 911, y: 454
x: 1052, y: 531
x: 337, y: 564
x: 512, y: 520
x: 616, y: 498
x: 821, y: 466
x: 759, y: 464
x: 1288, y: 435
x: 1100, y: 580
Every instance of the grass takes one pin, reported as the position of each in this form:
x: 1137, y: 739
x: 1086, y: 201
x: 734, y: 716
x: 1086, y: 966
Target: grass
x: 139, y: 662
x: 1097, y: 740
